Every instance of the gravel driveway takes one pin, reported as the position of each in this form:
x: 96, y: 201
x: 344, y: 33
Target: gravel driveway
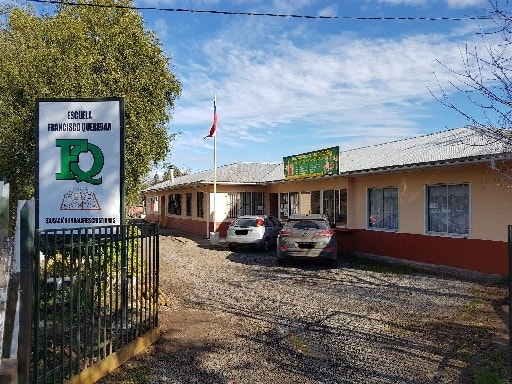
x: 239, y: 318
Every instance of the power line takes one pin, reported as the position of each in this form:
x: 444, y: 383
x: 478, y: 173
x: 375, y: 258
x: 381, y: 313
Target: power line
x: 182, y: 10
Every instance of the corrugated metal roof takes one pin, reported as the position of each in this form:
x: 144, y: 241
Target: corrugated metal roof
x: 462, y: 144
x: 238, y: 173
x: 455, y: 145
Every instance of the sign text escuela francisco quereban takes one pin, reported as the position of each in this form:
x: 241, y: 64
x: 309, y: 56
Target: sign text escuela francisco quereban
x: 80, y: 172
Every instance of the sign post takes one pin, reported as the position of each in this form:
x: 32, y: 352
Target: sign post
x: 80, y: 163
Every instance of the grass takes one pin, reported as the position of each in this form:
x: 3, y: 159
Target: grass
x: 487, y: 363
x: 382, y: 266
x: 132, y: 372
x: 492, y: 368
x: 300, y: 345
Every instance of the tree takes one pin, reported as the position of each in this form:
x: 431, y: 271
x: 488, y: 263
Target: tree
x: 166, y: 175
x: 86, y: 48
x: 486, y: 76
x: 176, y: 172
x: 487, y: 83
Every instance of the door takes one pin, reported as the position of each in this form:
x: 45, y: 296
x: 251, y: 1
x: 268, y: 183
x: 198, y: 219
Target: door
x: 274, y: 205
x: 162, y: 210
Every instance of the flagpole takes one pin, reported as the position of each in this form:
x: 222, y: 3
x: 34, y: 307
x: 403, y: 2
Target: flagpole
x: 213, y: 134
x: 214, y: 173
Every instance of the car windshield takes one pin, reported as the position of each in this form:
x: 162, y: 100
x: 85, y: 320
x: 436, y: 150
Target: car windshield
x: 307, y: 224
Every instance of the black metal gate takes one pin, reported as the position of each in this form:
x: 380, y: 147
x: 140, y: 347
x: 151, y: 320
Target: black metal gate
x: 95, y: 291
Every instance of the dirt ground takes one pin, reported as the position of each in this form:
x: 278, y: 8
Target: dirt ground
x: 187, y: 329
x: 184, y: 329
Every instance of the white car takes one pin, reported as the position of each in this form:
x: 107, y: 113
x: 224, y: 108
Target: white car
x: 259, y: 231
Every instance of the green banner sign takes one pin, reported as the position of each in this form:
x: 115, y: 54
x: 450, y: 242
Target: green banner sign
x: 312, y: 164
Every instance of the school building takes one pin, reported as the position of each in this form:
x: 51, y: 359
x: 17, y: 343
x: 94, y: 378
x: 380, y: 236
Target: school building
x: 443, y: 198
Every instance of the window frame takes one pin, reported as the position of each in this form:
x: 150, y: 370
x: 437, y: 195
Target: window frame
x: 199, y: 201
x: 174, y: 204
x: 188, y: 204
x: 334, y: 206
x: 446, y: 209
x: 245, y: 203
x: 380, y: 220
x: 315, y: 202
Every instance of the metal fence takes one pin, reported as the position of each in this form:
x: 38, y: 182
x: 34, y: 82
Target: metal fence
x: 5, y: 263
x: 95, y: 291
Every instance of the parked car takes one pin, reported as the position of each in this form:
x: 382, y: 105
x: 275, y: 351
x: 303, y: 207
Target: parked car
x: 259, y: 231
x: 307, y: 237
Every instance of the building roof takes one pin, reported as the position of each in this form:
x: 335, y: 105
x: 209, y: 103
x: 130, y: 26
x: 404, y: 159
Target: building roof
x: 461, y: 145
x: 447, y: 147
x: 238, y: 173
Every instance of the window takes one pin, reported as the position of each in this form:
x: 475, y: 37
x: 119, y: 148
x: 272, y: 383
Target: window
x: 383, y: 208
x: 152, y: 204
x: 448, y: 209
x: 200, y: 211
x: 188, y: 204
x: 174, y: 206
x: 294, y: 203
x: 315, y: 202
x: 283, y: 206
x: 245, y: 203
x: 335, y: 206
x: 274, y: 204
x: 289, y: 202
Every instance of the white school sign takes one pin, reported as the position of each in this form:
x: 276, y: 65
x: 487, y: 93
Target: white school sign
x: 80, y: 169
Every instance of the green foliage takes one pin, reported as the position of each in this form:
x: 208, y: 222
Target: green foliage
x: 94, y: 268
x: 166, y: 175
x: 83, y: 51
x: 381, y: 266
x: 493, y: 368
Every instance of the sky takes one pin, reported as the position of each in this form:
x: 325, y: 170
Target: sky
x: 288, y: 85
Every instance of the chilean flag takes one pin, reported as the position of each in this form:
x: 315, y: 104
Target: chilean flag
x: 214, y: 125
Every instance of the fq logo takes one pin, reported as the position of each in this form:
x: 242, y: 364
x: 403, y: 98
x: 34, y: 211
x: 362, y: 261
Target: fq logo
x: 70, y: 150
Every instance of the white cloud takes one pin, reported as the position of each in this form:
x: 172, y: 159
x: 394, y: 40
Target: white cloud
x: 450, y: 3
x: 404, y: 2
x: 335, y: 77
x: 465, y: 3
x: 352, y: 89
x: 329, y: 11
x: 175, y: 3
x: 161, y: 28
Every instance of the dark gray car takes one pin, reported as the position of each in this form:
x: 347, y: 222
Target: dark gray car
x: 307, y: 237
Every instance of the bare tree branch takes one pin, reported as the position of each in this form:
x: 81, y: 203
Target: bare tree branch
x: 486, y: 77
